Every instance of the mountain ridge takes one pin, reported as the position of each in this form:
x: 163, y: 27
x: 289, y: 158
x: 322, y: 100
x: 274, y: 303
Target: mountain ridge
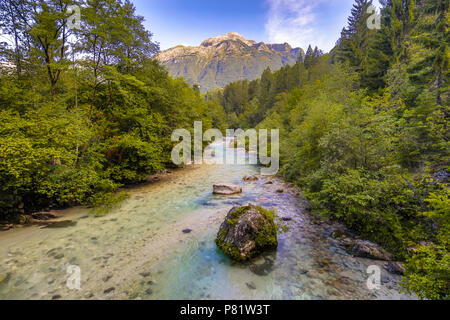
x: 221, y: 60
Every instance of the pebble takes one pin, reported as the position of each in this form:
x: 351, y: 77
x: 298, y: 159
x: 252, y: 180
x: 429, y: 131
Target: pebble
x: 107, y: 278
x: 109, y: 290
x: 149, y: 292
x: 251, y: 286
x: 145, y: 274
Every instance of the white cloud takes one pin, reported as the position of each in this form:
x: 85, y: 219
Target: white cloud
x: 304, y: 22
x: 295, y: 22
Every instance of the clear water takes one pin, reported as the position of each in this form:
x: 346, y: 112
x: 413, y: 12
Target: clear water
x: 139, y: 251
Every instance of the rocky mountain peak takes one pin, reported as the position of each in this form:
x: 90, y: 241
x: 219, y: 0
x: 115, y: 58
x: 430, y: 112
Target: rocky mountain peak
x: 226, y: 58
x: 231, y: 36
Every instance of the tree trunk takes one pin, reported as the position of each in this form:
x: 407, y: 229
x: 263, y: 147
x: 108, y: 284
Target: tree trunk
x: 93, y: 100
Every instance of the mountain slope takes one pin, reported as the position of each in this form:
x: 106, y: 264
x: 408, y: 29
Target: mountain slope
x: 227, y: 58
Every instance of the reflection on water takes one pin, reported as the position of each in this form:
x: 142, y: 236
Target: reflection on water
x: 139, y: 251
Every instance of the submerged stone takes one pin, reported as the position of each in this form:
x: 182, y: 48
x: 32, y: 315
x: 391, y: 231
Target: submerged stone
x: 109, y: 290
x: 251, y: 286
x: 60, y: 224
x: 263, y: 269
x: 246, y: 232
x: 369, y: 250
x: 4, y: 278
x: 395, y: 268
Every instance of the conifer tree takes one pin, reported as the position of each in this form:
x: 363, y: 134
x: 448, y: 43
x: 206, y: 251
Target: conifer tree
x: 309, y: 57
x: 356, y: 37
x: 431, y: 37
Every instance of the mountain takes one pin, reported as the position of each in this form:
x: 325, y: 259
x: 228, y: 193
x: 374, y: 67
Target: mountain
x: 227, y: 58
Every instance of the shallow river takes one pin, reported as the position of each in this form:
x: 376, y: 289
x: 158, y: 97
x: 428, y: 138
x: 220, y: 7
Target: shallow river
x: 139, y: 251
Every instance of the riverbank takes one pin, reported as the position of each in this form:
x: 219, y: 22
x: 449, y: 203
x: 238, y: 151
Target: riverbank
x: 55, y: 218
x: 139, y: 251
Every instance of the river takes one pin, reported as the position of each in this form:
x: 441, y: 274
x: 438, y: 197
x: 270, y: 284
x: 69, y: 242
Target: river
x: 139, y: 250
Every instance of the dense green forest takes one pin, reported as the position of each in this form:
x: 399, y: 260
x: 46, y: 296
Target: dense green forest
x: 364, y: 129
x: 83, y: 111
x: 365, y: 132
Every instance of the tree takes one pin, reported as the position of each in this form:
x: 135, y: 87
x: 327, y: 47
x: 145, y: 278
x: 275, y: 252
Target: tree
x: 50, y: 33
x: 356, y: 37
x: 112, y: 34
x: 12, y: 25
x: 309, y: 57
x: 430, y: 69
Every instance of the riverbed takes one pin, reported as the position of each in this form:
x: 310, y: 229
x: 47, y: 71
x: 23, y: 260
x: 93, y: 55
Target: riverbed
x: 159, y: 244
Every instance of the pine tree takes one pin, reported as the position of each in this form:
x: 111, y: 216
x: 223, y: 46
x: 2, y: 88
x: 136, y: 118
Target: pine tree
x: 400, y: 19
x: 309, y: 57
x: 431, y: 37
x: 356, y: 37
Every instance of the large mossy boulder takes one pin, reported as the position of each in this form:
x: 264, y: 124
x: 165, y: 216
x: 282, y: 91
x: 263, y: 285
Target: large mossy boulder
x: 246, y: 232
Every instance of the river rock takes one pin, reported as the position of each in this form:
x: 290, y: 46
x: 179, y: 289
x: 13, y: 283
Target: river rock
x: 366, y: 249
x: 227, y: 189
x: 250, y: 178
x: 395, y: 268
x: 251, y: 286
x: 340, y: 234
x: 25, y: 219
x: 58, y: 224
x: 44, y: 216
x: 246, y: 232
x: 6, y: 227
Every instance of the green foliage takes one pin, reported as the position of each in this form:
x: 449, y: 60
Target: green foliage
x: 73, y: 132
x: 365, y: 133
x: 427, y: 274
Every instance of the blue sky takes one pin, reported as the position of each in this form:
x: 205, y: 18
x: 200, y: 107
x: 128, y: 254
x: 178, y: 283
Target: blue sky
x: 298, y: 22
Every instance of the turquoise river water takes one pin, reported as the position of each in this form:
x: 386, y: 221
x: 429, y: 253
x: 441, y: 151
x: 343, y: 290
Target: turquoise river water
x: 139, y: 251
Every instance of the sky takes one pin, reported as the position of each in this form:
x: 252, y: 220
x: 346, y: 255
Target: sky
x: 297, y: 22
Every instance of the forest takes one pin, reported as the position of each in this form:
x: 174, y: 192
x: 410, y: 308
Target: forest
x: 365, y: 132
x: 364, y: 129
x: 84, y: 111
